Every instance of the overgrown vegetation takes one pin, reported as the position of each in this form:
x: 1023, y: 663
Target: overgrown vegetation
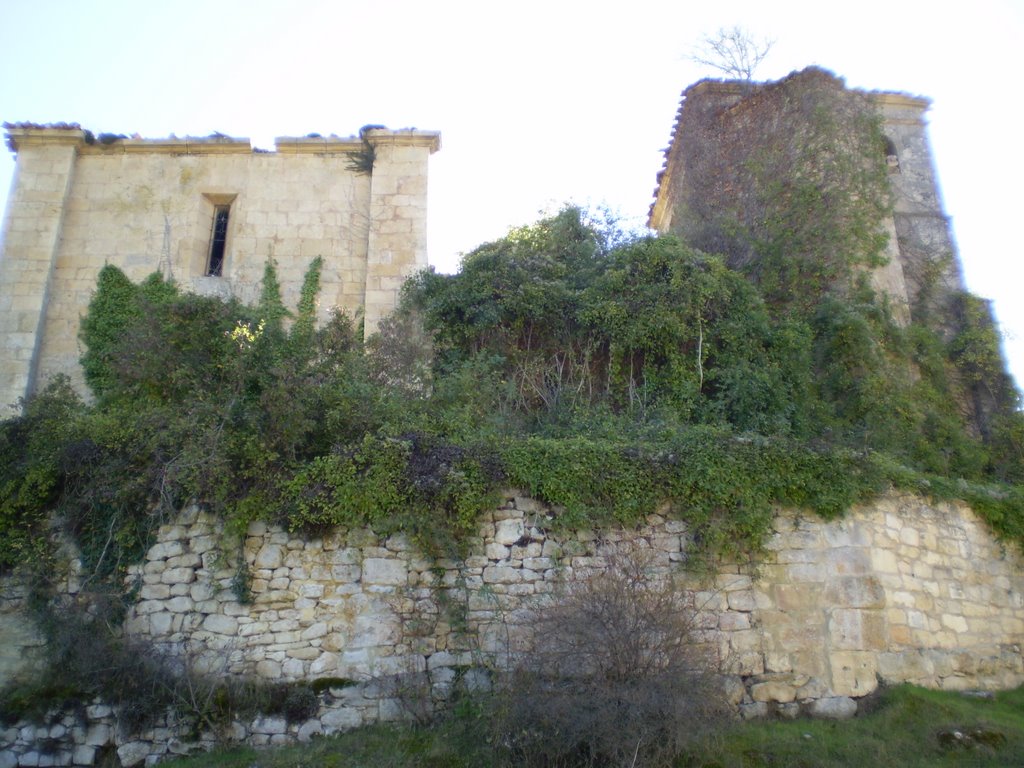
x: 608, y: 376
x: 604, y: 377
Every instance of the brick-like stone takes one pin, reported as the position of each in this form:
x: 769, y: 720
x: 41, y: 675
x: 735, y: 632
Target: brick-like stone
x: 498, y: 574
x: 955, y: 623
x: 165, y: 549
x: 179, y: 604
x: 133, y: 753
x: 269, y: 557
x: 83, y: 754
x: 508, y: 532
x: 270, y: 725
x: 98, y: 734
x: 385, y: 571
x: 732, y: 621
x: 178, y: 576
x: 308, y: 730
x: 856, y: 592
x: 220, y: 624
x: 773, y: 691
x: 741, y: 601
x: 834, y: 708
x: 340, y: 719
x: 155, y: 592
x: 324, y: 664
x: 186, y: 560
x: 854, y: 673
x: 268, y: 669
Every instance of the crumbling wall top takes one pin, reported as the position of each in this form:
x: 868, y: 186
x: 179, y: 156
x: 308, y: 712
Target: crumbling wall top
x: 717, y: 96
x: 20, y: 135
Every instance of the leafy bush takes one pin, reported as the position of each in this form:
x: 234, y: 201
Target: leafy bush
x: 605, y: 374
x: 31, y: 479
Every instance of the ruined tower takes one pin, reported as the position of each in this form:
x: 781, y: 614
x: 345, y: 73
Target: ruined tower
x: 721, y: 133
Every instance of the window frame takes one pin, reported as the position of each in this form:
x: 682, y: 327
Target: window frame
x: 218, y: 241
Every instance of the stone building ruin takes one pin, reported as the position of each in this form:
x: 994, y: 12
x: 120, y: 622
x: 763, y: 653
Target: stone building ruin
x: 898, y: 590
x: 722, y: 126
x: 737, y: 147
x: 207, y: 212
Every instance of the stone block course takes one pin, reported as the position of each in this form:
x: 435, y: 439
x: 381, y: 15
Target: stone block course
x: 793, y: 638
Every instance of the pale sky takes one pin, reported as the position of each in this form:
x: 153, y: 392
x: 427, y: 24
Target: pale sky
x: 538, y: 103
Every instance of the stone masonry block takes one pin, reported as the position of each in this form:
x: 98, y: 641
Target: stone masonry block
x: 856, y: 592
x: 385, y: 571
x: 773, y: 691
x: 221, y: 625
x: 855, y: 629
x: 854, y: 673
x: 509, y: 531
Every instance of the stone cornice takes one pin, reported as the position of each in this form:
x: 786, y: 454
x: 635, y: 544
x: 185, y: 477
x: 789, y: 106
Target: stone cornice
x: 895, y: 99
x: 406, y: 137
x: 174, y: 146
x: 901, y: 108
x: 316, y: 145
x: 18, y: 137
x: 36, y: 137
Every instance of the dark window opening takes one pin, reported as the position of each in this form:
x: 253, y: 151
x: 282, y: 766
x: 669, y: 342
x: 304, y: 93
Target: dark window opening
x: 892, y: 160
x: 217, y: 241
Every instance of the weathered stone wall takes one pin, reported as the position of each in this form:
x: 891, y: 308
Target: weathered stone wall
x: 19, y: 639
x: 148, y: 205
x: 924, y: 242
x: 901, y: 590
x: 724, y: 129
x: 898, y: 591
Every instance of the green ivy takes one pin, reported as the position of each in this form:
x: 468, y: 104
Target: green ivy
x: 608, y: 376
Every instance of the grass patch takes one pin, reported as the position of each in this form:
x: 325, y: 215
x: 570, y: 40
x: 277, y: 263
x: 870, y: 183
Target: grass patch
x: 905, y: 726
x: 455, y: 743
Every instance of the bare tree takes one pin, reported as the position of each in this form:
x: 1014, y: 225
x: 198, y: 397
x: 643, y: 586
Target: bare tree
x: 617, y: 673
x: 734, y: 52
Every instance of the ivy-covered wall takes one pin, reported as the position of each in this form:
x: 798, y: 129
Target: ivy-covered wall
x: 806, y: 186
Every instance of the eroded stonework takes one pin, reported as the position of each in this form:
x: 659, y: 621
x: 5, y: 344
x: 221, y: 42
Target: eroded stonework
x: 901, y: 591
x: 896, y: 591
x: 723, y: 129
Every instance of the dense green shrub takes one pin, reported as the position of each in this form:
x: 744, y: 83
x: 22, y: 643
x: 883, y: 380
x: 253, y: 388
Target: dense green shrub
x: 32, y: 450
x: 604, y: 374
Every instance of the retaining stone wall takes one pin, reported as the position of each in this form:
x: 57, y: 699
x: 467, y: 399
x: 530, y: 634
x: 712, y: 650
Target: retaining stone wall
x: 898, y: 591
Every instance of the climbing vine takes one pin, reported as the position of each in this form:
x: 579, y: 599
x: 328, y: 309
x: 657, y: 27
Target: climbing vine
x: 607, y: 376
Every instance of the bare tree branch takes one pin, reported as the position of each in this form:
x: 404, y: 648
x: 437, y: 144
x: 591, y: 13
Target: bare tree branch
x: 734, y: 52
